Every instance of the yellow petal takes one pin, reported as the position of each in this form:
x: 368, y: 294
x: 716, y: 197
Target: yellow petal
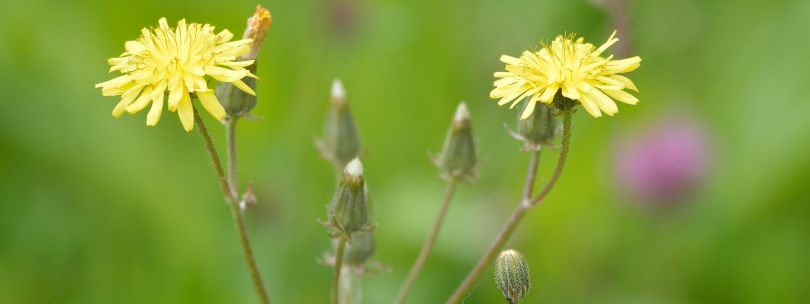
x: 141, y: 102
x: 126, y: 99
x: 211, y: 104
x: 223, y: 74
x: 529, y: 109
x: 159, y: 91
x: 604, y: 102
x: 625, y: 81
x: 188, y: 81
x: 607, y: 44
x: 621, y: 66
x: 589, y: 105
x: 510, y: 60
x: 527, y: 93
x: 548, y: 94
x: 570, y: 91
x: 175, y: 95
x: 224, y: 36
x: 610, y: 82
x: 242, y: 86
x: 622, y: 96
x: 236, y: 65
x: 154, y: 113
x: 505, y: 81
x: 186, y: 113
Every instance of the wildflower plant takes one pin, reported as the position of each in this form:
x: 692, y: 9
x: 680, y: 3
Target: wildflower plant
x: 175, y: 66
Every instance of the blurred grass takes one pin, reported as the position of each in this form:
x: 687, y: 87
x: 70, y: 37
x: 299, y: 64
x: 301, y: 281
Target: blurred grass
x: 102, y: 210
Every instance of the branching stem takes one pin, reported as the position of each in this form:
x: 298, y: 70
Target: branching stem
x: 231, y: 198
x: 517, y: 214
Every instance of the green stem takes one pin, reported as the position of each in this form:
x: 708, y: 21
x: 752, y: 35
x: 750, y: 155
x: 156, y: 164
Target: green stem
x: 566, y: 140
x: 236, y: 211
x: 517, y: 215
x: 230, y: 139
x: 338, y: 264
x: 429, y: 242
x: 350, y: 291
x: 531, y: 176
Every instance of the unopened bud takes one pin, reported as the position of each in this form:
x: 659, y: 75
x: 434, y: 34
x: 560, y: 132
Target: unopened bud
x: 236, y: 101
x: 249, y: 199
x: 539, y: 128
x: 341, y: 142
x: 512, y: 275
x: 349, y: 209
x: 457, y: 158
x: 361, y: 249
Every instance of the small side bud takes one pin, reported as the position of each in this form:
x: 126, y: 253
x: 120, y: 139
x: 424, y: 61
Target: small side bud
x: 458, y: 156
x: 361, y: 249
x: 249, y: 198
x: 341, y: 142
x: 236, y: 101
x: 348, y: 210
x: 512, y: 275
x: 537, y: 130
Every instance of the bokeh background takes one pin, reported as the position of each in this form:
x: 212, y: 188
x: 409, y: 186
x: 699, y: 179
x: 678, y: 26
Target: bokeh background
x: 710, y: 207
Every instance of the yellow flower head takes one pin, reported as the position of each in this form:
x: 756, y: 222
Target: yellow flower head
x: 176, y: 60
x: 569, y: 65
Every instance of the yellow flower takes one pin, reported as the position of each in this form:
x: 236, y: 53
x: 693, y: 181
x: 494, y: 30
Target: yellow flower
x: 575, y: 68
x: 176, y: 60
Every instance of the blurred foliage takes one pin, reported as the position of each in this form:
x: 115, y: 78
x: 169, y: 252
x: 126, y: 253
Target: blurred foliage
x: 102, y: 210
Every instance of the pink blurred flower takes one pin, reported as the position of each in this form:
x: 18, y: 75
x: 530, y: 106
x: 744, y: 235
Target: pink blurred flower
x: 665, y: 162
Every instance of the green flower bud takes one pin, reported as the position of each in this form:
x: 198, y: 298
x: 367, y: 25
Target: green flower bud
x: 458, y: 156
x: 236, y: 101
x: 539, y: 128
x: 349, y: 210
x: 361, y: 249
x: 341, y: 142
x: 512, y: 275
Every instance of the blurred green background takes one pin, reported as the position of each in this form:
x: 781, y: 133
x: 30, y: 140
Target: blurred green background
x: 95, y: 209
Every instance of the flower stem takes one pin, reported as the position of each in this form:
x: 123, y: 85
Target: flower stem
x: 534, y: 161
x: 230, y: 139
x: 338, y: 264
x: 236, y: 211
x: 350, y: 291
x: 566, y: 140
x: 517, y: 215
x: 429, y: 242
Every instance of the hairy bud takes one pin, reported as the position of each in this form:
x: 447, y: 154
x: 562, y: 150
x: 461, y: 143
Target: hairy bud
x: 458, y: 156
x: 341, y: 142
x: 361, y: 249
x: 537, y: 130
x: 512, y: 275
x: 349, y: 209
